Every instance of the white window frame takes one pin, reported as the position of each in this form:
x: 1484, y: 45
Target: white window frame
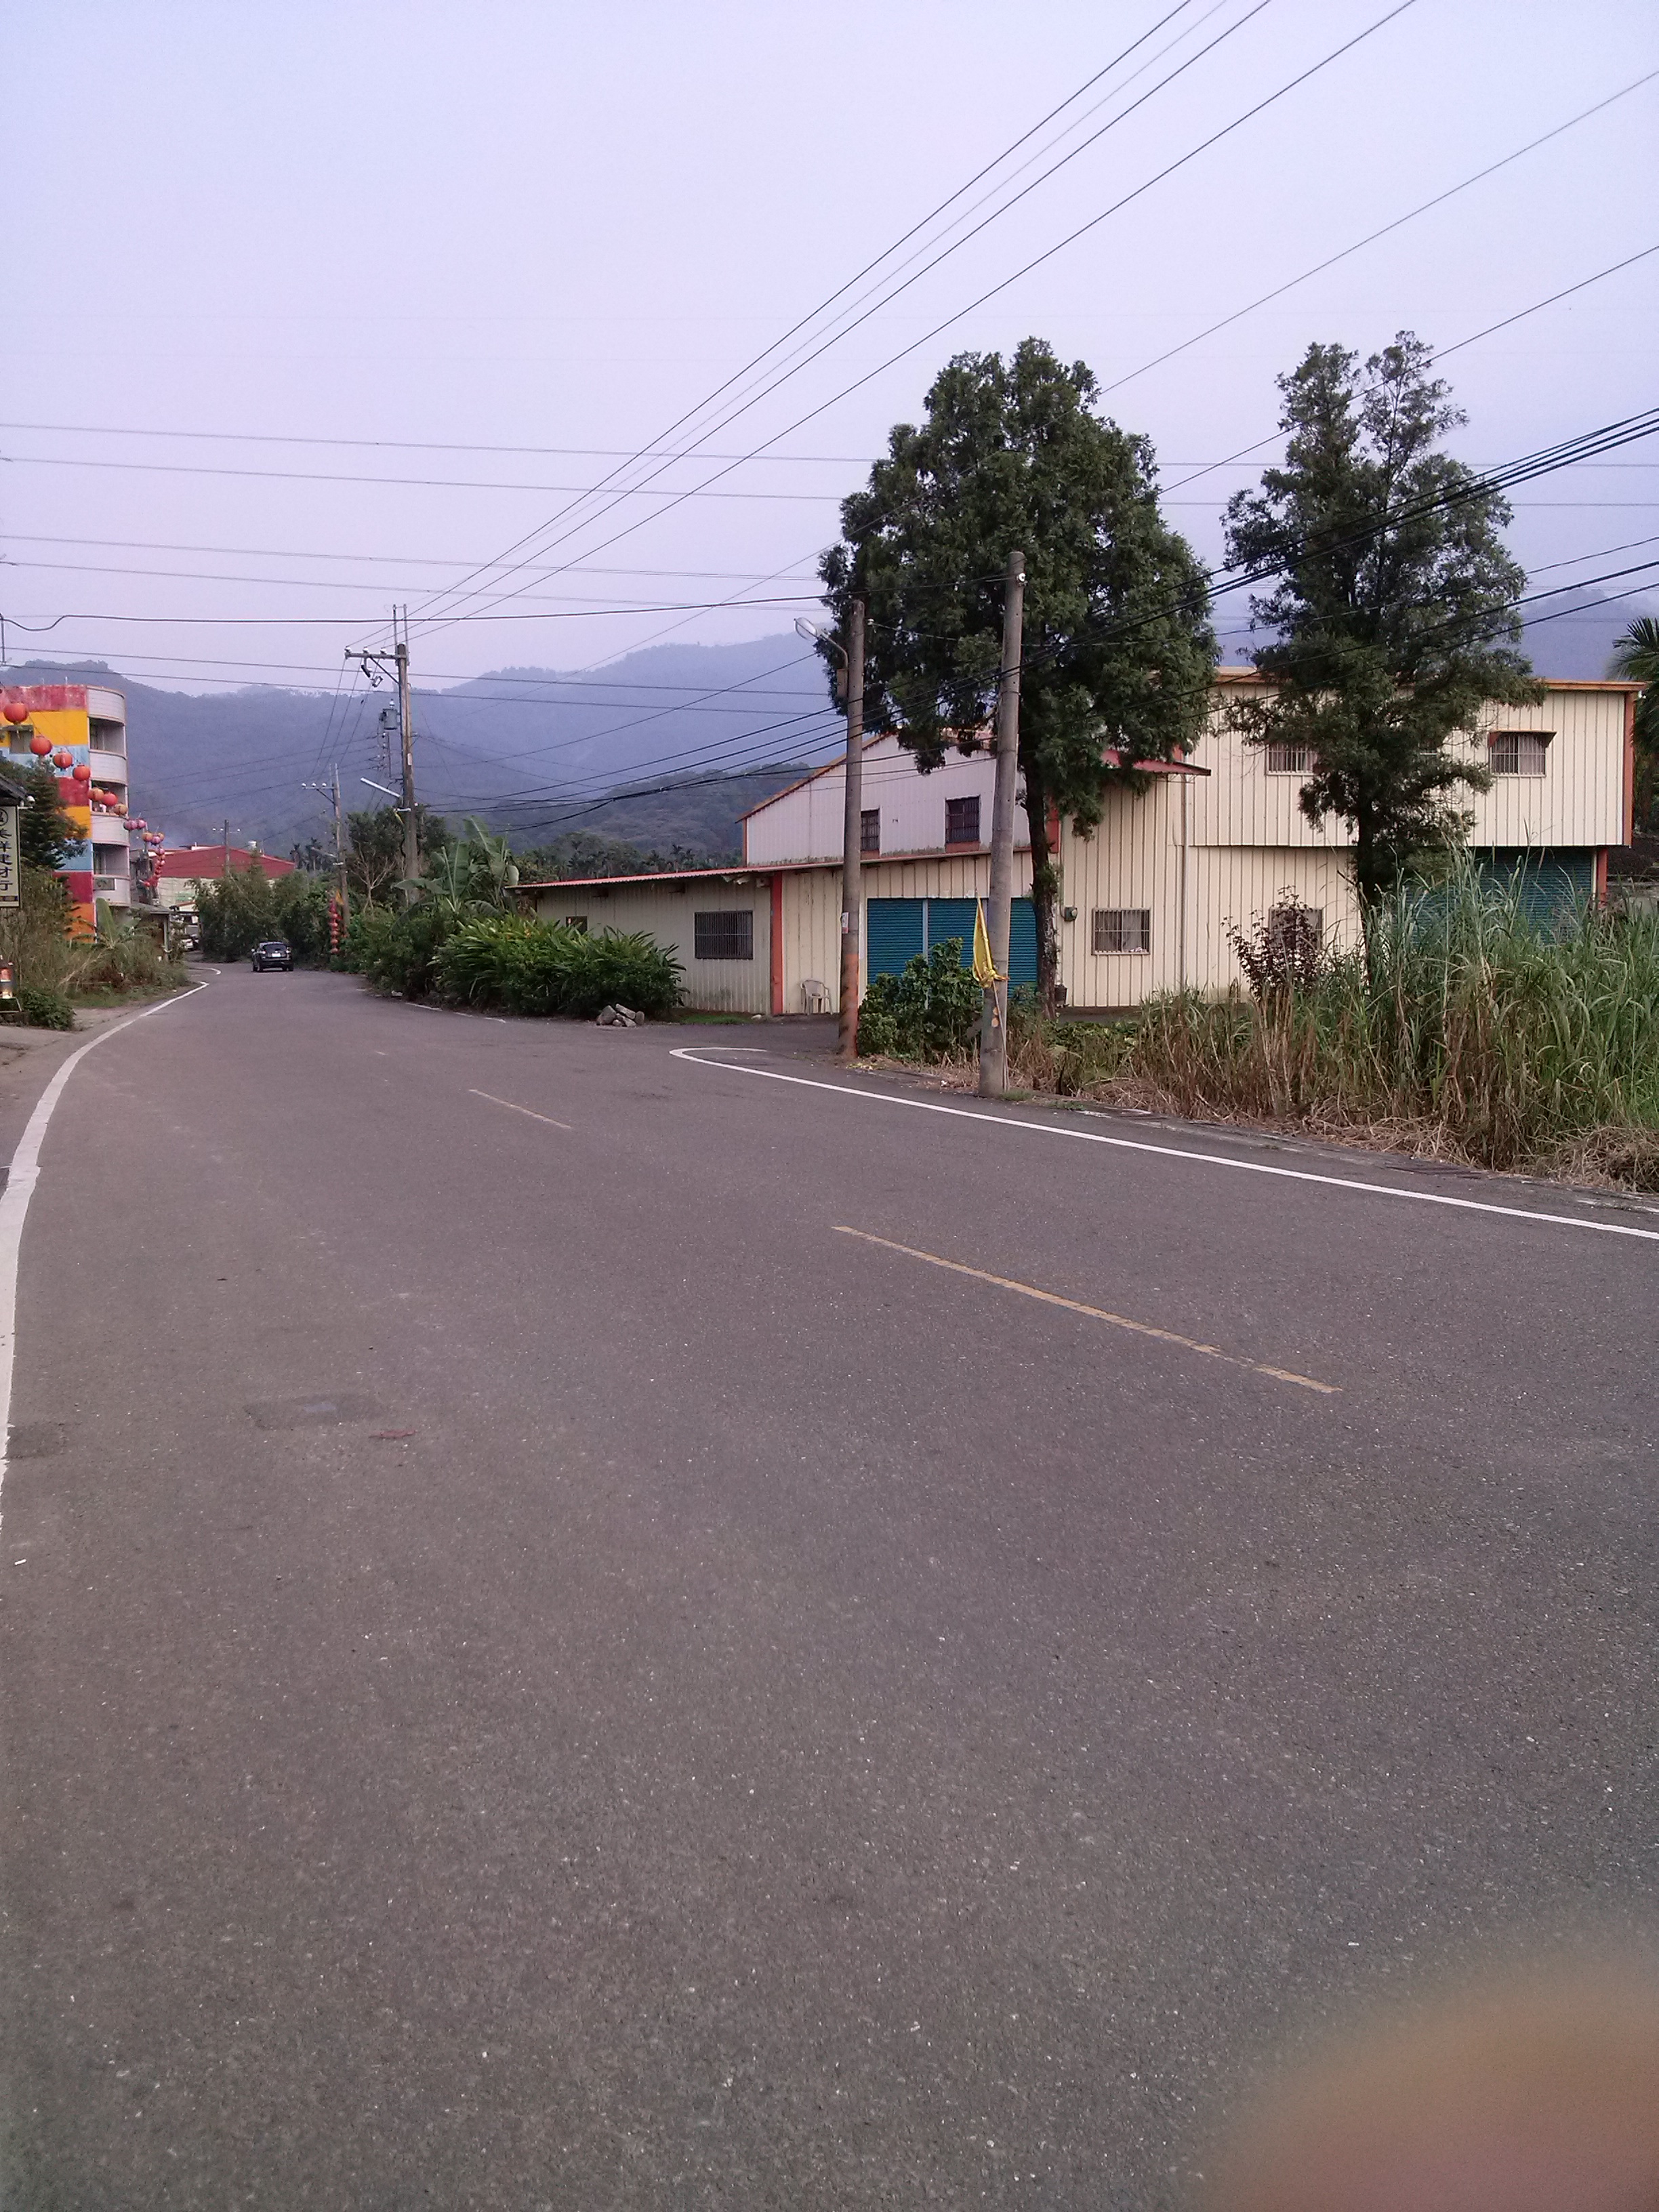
x: 1522, y: 748
x: 1110, y: 921
x: 1285, y: 759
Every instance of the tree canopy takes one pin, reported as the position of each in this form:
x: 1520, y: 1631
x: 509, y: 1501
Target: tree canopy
x: 1391, y: 615
x: 1637, y: 655
x: 46, y: 835
x: 1118, y: 649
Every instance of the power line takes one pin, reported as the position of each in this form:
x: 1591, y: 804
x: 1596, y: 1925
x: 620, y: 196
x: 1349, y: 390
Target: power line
x: 425, y: 483
x: 1443, y: 354
x: 1371, y: 237
x: 767, y: 352
x: 1214, y: 139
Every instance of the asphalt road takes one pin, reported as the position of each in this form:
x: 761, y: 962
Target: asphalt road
x: 537, y: 1671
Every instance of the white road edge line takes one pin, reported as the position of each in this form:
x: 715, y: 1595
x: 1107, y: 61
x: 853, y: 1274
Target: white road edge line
x: 1175, y: 1151
x: 513, y: 1109
x: 22, y: 1175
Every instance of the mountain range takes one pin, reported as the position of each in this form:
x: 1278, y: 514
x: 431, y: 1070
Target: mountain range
x: 665, y: 746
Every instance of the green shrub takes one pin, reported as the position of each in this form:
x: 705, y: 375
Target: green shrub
x: 40, y: 1008
x: 541, y: 967
x: 397, y: 950
x: 930, y: 1011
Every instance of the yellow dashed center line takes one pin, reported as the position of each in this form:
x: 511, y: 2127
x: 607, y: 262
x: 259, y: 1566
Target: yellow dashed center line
x: 1092, y: 1313
x: 513, y: 1108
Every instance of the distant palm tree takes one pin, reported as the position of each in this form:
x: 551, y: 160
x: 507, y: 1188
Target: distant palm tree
x: 1636, y: 654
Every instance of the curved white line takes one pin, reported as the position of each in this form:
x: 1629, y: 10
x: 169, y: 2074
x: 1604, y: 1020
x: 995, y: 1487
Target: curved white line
x: 21, y: 1176
x: 1173, y: 1151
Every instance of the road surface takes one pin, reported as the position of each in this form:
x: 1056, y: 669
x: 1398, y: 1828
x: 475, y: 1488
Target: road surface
x: 552, y: 1654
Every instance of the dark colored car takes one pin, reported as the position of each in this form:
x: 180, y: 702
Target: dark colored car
x: 274, y: 952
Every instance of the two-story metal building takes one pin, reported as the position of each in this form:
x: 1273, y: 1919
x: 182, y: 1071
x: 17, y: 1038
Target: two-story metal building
x: 1147, y: 897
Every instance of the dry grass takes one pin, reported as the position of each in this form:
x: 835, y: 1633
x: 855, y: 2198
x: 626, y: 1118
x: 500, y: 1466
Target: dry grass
x: 1472, y: 1037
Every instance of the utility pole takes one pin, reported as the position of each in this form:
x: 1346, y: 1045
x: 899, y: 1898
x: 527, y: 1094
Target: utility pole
x: 994, y: 1022
x: 373, y: 667
x: 340, y: 848
x: 224, y: 855
x: 852, y: 865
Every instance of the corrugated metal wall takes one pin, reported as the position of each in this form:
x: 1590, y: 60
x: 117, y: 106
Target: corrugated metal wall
x: 1135, y: 860
x: 808, y: 823
x: 666, y: 911
x: 1579, y: 800
x: 811, y: 910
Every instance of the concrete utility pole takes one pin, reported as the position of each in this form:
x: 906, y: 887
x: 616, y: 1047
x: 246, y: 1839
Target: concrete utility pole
x: 374, y: 664
x: 224, y: 855
x: 852, y: 861
x: 994, y: 1022
x: 406, y: 725
x: 340, y: 851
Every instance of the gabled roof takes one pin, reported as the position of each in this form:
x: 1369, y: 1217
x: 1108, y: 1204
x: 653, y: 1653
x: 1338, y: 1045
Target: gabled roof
x: 189, y: 863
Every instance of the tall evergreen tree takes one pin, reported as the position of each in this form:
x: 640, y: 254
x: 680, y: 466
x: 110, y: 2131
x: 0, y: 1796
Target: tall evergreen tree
x: 46, y: 835
x: 1392, y: 614
x: 1118, y: 649
x: 1637, y: 655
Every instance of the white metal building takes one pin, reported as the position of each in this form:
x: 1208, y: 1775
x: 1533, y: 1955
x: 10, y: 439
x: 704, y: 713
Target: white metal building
x: 1147, y: 898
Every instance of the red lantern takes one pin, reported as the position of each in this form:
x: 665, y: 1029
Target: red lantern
x: 80, y: 772
x: 40, y: 746
x: 131, y: 821
x: 142, y: 825
x: 63, y: 757
x: 15, y: 711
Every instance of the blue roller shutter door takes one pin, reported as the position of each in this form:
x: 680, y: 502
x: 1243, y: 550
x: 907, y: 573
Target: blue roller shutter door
x: 951, y: 918
x: 895, y: 929
x: 898, y: 929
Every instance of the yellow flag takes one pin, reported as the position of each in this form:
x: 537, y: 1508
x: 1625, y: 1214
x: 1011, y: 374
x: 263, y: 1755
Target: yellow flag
x: 984, y: 967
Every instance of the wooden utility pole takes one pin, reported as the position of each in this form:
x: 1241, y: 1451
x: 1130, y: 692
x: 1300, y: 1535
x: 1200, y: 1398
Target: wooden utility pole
x: 994, y: 1022
x: 852, y: 863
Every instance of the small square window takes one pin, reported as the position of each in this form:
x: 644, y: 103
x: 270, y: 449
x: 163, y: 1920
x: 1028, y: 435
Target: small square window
x: 1516, y: 752
x: 870, y: 829
x: 961, y: 821
x: 578, y: 921
x: 1123, y: 929
x: 1290, y: 760
x: 729, y: 936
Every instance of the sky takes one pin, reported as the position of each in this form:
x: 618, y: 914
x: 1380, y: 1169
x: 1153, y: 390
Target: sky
x: 338, y: 244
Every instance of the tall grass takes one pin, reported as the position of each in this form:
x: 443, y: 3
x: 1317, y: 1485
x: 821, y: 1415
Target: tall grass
x: 1468, y: 1030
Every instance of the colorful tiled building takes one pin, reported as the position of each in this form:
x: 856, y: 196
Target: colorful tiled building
x: 81, y: 730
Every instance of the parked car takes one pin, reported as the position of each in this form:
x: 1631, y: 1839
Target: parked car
x: 273, y: 952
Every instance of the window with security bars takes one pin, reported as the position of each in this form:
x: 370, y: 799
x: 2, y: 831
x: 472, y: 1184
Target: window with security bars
x: 870, y: 829
x: 1516, y: 752
x: 1123, y: 929
x: 1290, y: 760
x: 961, y: 821
x: 724, y: 936
x: 1295, y: 932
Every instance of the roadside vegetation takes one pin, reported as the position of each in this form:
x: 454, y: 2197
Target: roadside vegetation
x: 55, y: 972
x: 1467, y: 1032
x: 238, y: 910
x: 459, y: 942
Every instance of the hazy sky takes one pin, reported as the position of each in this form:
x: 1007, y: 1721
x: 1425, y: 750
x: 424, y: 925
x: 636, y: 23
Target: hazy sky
x: 563, y: 226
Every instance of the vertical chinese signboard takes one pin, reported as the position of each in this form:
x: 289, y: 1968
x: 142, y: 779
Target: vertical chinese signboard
x: 8, y: 856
